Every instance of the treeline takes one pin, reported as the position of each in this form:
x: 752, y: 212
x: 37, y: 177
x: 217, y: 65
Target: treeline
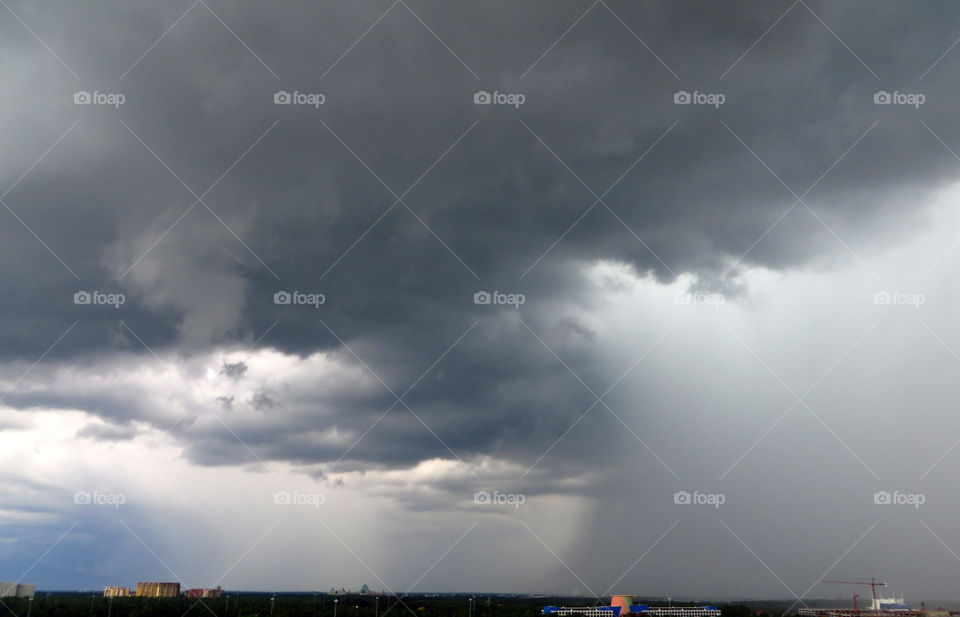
x: 300, y: 605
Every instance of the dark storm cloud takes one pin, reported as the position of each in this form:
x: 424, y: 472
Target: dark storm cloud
x: 309, y: 199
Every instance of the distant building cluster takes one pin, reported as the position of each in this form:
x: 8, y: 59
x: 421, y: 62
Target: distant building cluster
x: 582, y: 611
x: 621, y: 606
x: 159, y: 590
x: 634, y: 609
x: 13, y: 589
x: 364, y: 591
x: 879, y: 607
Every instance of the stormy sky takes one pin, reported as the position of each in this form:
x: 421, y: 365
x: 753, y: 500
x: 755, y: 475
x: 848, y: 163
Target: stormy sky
x: 541, y: 296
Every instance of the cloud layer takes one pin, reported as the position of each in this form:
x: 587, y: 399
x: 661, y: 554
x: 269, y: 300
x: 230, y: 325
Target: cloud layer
x: 664, y: 156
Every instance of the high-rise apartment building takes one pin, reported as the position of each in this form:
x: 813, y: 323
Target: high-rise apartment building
x: 158, y: 590
x: 116, y: 591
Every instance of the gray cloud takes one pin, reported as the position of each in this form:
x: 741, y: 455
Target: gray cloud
x: 233, y: 369
x: 498, y: 200
x: 106, y: 432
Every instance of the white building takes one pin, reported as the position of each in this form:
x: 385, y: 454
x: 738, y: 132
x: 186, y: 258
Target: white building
x: 13, y: 589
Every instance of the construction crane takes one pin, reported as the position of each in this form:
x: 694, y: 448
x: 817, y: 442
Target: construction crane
x: 874, y: 583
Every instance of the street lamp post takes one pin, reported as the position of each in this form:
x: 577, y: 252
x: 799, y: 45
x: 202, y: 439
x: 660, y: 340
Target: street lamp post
x: 377, y: 602
x: 110, y: 607
x: 335, y: 602
x: 29, y: 605
x: 273, y: 599
x: 470, y: 611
